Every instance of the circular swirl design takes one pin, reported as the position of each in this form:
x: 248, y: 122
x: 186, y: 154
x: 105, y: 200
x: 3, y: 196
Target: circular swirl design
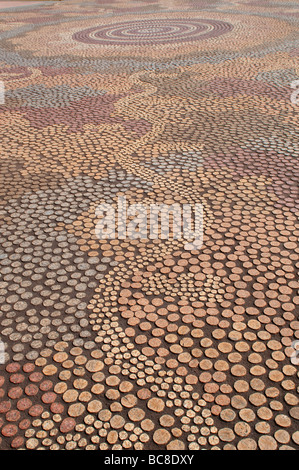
x: 149, y: 32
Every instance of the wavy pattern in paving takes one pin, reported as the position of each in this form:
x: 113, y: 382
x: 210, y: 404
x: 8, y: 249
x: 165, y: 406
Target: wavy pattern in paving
x: 140, y: 344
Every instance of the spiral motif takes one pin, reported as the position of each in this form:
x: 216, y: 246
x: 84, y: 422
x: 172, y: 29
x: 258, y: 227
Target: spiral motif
x: 160, y: 31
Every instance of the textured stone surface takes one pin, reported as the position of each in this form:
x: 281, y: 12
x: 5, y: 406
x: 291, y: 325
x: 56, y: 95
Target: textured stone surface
x: 140, y: 343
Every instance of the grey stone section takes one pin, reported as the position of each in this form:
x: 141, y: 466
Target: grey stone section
x: 185, y: 161
x: 281, y: 78
x: 46, y: 281
x: 39, y: 96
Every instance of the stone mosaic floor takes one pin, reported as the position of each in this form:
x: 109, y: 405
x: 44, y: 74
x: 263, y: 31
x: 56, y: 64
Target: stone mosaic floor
x: 140, y: 344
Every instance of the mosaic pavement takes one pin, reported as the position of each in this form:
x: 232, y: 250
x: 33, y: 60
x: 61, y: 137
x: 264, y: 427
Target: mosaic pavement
x: 140, y: 344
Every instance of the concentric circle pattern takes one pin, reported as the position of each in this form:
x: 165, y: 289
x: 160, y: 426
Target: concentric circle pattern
x: 150, y: 32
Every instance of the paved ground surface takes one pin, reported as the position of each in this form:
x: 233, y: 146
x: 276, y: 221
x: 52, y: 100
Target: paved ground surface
x: 142, y: 344
x: 12, y: 4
